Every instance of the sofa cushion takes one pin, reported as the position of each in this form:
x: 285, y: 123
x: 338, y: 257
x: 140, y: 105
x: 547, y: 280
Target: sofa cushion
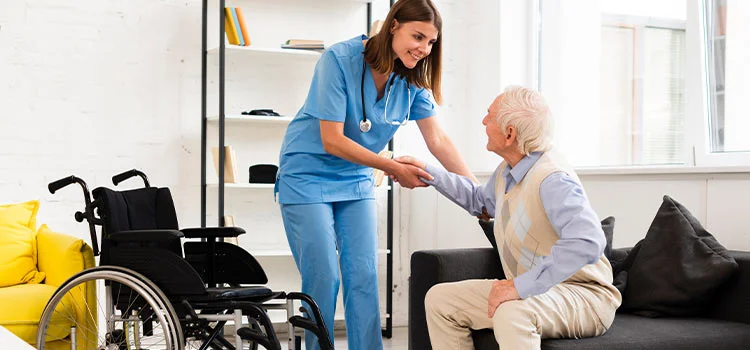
x: 21, y: 307
x: 17, y: 246
x: 677, y: 267
x: 67, y: 259
x: 636, y: 332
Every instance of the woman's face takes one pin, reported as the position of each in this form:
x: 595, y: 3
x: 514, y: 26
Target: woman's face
x: 412, y: 41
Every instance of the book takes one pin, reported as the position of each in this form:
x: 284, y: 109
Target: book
x: 237, y: 26
x: 243, y: 27
x: 230, y: 161
x: 378, y: 174
x: 229, y: 28
x: 303, y: 44
x: 375, y: 28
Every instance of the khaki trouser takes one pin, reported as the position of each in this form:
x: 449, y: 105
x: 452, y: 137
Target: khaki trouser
x: 567, y: 310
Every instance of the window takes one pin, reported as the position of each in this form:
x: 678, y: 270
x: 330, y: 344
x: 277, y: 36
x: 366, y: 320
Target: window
x: 614, y: 75
x: 727, y: 53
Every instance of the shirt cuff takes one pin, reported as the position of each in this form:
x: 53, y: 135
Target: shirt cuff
x: 525, y: 285
x: 436, y: 172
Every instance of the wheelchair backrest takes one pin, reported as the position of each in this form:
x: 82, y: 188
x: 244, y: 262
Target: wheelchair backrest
x: 139, y: 209
x: 134, y: 225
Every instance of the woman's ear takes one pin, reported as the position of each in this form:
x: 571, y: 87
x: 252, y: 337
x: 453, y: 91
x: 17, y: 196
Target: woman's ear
x: 394, y: 25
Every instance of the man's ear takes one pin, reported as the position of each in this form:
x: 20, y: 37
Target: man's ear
x: 510, y: 134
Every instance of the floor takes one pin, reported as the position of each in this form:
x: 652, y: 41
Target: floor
x: 397, y: 342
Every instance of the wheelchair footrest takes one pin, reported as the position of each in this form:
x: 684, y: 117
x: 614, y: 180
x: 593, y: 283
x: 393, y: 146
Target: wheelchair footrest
x: 304, y: 323
x: 255, y: 336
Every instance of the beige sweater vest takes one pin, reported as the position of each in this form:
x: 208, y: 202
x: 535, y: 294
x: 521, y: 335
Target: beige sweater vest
x: 525, y: 235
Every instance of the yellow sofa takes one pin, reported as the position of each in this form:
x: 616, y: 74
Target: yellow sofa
x: 59, y: 257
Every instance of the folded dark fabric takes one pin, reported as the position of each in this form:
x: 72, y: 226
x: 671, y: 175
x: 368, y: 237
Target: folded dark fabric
x: 675, y: 270
x: 263, y: 173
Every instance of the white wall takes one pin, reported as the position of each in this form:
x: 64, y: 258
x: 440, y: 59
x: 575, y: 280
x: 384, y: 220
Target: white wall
x: 93, y: 88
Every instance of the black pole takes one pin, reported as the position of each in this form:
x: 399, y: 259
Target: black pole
x: 369, y: 18
x: 389, y: 252
x: 222, y: 155
x: 204, y: 54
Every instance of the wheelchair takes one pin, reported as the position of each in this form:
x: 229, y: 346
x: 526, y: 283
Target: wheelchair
x: 156, y: 297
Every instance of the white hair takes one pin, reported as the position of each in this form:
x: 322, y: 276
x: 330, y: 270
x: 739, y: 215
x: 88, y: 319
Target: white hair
x: 527, y: 111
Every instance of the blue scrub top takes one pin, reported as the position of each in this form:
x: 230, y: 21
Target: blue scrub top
x: 307, y: 173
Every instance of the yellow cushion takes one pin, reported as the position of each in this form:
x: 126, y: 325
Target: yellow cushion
x: 60, y: 255
x: 21, y: 307
x: 17, y: 244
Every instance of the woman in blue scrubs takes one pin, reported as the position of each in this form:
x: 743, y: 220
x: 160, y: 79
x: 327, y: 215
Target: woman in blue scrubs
x: 361, y: 92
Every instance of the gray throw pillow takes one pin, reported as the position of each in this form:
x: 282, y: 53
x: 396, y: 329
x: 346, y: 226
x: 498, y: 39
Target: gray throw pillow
x: 675, y: 270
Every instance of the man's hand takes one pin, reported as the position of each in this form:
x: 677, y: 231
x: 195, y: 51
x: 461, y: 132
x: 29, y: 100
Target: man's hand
x: 485, y: 215
x: 502, y: 291
x: 409, y: 172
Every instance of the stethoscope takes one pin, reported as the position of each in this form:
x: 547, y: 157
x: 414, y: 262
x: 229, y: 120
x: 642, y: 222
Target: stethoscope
x: 365, y: 125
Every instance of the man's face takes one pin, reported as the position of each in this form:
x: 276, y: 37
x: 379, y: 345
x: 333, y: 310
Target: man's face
x: 497, y: 140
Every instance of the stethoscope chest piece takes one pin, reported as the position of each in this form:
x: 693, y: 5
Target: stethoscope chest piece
x: 365, y: 125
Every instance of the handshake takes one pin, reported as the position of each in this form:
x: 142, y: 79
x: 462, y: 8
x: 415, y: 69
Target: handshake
x: 409, y: 172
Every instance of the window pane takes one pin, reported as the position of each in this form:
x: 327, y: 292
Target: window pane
x: 663, y: 117
x: 728, y: 53
x: 616, y: 83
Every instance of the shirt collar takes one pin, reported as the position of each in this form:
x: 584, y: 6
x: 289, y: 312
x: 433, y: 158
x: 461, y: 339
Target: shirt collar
x: 519, y: 171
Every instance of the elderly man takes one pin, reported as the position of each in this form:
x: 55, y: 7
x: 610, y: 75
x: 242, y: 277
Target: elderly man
x: 559, y: 283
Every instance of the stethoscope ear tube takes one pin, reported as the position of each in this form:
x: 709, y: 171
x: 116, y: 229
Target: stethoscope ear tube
x: 365, y: 125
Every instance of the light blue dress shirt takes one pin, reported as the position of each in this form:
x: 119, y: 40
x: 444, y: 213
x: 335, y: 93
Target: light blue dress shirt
x: 307, y: 173
x: 581, y: 240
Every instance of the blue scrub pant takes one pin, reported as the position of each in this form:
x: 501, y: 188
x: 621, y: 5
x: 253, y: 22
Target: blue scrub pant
x: 315, y: 233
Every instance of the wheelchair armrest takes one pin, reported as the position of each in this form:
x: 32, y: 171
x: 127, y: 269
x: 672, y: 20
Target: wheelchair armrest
x: 144, y: 235
x: 212, y: 232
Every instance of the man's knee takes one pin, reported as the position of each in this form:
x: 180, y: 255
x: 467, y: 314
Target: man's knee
x: 437, y: 298
x: 512, y: 313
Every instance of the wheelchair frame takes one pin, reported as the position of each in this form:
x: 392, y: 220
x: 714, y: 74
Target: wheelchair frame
x: 187, y: 313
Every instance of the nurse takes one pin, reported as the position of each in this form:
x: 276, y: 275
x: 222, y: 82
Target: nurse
x: 361, y: 92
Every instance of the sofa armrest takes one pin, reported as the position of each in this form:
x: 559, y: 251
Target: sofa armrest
x: 430, y: 267
x: 732, y: 300
x: 61, y: 256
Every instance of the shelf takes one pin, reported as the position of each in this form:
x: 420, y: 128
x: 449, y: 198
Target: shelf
x: 246, y: 185
x: 267, y: 186
x: 252, y: 119
x: 266, y: 51
x: 287, y: 252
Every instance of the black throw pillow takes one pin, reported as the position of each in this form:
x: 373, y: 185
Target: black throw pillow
x: 608, y: 226
x: 676, y: 269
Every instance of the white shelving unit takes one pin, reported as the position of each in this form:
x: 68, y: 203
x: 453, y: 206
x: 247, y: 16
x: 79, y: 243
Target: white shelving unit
x: 263, y: 76
x: 252, y: 119
x: 266, y: 51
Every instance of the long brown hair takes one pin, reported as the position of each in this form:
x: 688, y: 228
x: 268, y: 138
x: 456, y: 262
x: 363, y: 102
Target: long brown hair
x: 379, y: 51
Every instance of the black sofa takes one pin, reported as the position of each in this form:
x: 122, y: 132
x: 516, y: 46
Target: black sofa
x: 726, y: 325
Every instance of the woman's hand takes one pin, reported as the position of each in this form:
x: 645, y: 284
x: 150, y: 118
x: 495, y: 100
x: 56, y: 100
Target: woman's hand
x: 412, y: 161
x: 409, y: 174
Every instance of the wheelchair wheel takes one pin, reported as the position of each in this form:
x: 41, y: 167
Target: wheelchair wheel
x: 130, y: 312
